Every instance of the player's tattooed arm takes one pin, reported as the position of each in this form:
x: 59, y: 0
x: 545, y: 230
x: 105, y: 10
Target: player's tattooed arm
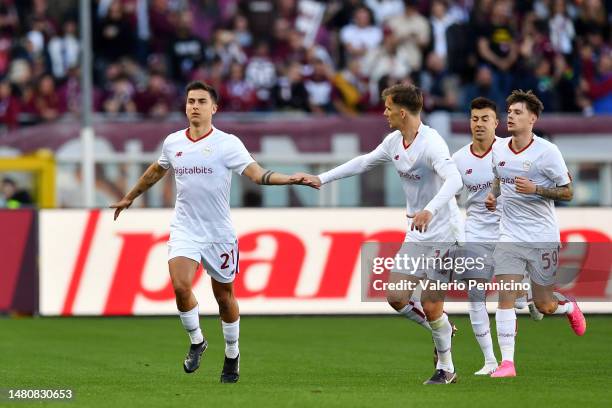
x: 560, y: 193
x: 151, y: 176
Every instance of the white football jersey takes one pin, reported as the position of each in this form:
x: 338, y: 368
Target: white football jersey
x: 203, y: 174
x: 423, y: 167
x: 481, y: 225
x: 529, y: 217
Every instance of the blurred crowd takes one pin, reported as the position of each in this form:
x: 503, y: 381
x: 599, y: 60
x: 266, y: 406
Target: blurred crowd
x: 278, y: 55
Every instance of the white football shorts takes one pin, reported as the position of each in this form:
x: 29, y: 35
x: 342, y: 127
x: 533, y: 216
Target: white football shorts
x: 219, y: 259
x: 540, y: 264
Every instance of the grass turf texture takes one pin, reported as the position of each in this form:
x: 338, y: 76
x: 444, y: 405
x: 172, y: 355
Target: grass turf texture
x: 299, y: 361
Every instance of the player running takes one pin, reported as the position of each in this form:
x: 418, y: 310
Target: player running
x: 201, y: 231
x: 530, y: 174
x: 430, y: 181
x: 481, y: 226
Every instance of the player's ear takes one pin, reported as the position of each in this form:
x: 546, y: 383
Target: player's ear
x: 214, y: 108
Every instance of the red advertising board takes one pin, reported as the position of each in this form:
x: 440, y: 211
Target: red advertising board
x: 292, y: 261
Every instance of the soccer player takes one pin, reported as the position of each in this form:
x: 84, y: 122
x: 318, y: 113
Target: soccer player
x: 481, y: 226
x: 430, y: 181
x: 201, y: 231
x: 530, y: 174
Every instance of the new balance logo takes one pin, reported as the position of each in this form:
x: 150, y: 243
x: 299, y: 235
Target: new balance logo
x: 468, y: 171
x: 178, y: 154
x: 396, y: 157
x: 501, y: 163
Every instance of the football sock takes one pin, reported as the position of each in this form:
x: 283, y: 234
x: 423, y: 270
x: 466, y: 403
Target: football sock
x: 442, y: 331
x: 482, y: 329
x: 414, y: 312
x: 231, y: 333
x: 191, y: 323
x: 505, y: 320
x: 564, y: 306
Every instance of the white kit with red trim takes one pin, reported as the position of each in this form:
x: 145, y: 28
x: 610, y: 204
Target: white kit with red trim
x: 529, y: 217
x: 423, y: 166
x: 481, y: 225
x: 203, y: 172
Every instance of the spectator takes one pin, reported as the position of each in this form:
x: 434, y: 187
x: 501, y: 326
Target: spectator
x: 538, y: 78
x: 9, y: 20
x: 361, y: 36
x: 289, y: 93
x: 215, y: 75
x: 440, y: 20
x: 161, y: 25
x: 64, y: 50
x: 389, y: 60
x: 225, y: 47
x: 600, y: 85
x: 36, y: 38
x: 114, y: 37
x: 237, y: 93
x: 260, y: 15
x: 592, y: 18
x: 261, y: 75
x: 186, y: 51
x: 47, y: 100
x: 411, y: 30
x: 497, y: 44
x: 565, y: 85
x: 13, y: 196
x: 439, y: 87
x: 9, y: 106
x: 157, y: 99
x: 29, y: 111
x: 120, y: 97
x: 240, y: 27
x: 483, y: 85
x: 281, y: 46
x: 561, y: 29
x: 321, y: 91
x: 385, y: 9
x: 353, y: 89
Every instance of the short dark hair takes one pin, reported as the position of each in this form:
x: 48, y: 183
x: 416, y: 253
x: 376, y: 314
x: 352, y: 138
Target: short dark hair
x: 194, y: 85
x: 408, y: 96
x: 483, y: 103
x: 531, y: 101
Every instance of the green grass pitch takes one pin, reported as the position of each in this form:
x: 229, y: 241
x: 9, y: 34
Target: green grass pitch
x: 299, y: 361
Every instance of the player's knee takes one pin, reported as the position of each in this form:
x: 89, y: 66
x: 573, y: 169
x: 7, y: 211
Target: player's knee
x: 396, y: 304
x: 395, y: 300
x: 224, y: 300
x: 433, y: 310
x: 545, y: 307
x: 182, y: 291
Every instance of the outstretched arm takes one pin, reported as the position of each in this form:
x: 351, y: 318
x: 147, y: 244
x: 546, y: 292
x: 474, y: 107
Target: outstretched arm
x: 358, y: 165
x: 259, y: 175
x: 151, y: 176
